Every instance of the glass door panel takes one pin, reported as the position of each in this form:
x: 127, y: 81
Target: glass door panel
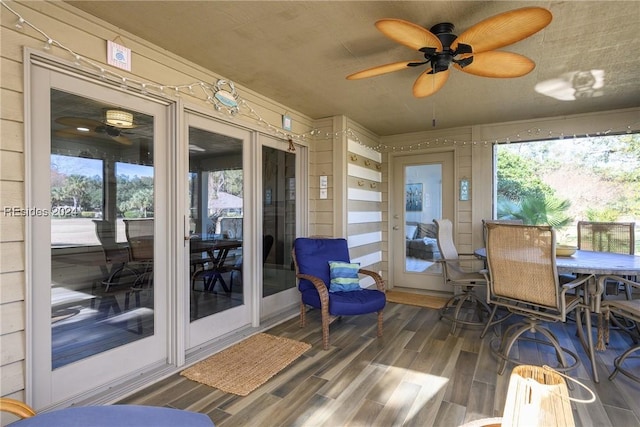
x: 219, y: 292
x: 279, y: 226
x: 215, y: 222
x: 102, y: 184
x: 279, y: 220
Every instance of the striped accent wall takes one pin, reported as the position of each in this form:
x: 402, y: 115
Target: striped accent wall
x: 364, y: 207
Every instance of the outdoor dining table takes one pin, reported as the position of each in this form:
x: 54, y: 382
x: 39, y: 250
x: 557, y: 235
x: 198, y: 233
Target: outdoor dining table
x: 590, y: 262
x: 217, y: 251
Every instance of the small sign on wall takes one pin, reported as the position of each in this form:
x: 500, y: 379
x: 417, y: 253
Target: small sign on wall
x: 118, y: 55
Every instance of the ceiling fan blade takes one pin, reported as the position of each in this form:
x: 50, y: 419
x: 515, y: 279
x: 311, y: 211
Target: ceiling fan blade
x: 504, y: 29
x: 381, y: 69
x: 121, y: 139
x: 408, y: 34
x: 78, y: 122
x: 73, y: 133
x: 498, y: 64
x: 428, y: 84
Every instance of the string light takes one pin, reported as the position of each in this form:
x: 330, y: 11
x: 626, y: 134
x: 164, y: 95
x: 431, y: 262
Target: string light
x: 209, y: 91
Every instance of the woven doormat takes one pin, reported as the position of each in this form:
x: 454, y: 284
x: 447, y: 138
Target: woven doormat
x: 245, y: 366
x: 420, y: 300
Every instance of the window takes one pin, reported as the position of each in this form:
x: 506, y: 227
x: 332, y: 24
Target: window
x: 560, y: 182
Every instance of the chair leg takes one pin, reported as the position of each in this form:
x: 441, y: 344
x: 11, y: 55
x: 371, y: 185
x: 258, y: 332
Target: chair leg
x: 619, y: 368
x: 303, y: 315
x: 325, y: 329
x: 488, y: 325
x: 509, y: 339
x: 589, y: 342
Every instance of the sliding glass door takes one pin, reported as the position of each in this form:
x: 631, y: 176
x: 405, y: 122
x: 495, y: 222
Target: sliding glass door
x: 98, y: 251
x: 279, y: 227
x: 216, y: 237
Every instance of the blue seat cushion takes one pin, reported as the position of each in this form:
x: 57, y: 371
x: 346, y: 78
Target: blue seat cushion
x: 313, y: 256
x: 116, y: 415
x: 348, y: 303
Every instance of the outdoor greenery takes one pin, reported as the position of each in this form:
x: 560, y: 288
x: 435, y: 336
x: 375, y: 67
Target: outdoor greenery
x: 83, y: 195
x: 559, y: 182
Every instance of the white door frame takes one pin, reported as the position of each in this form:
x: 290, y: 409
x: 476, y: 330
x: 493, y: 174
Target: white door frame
x: 397, y: 239
x: 207, y: 329
x: 47, y: 388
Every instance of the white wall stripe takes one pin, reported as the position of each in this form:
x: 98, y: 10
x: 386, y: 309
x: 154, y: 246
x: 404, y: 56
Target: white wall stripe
x: 364, y: 173
x: 356, y: 240
x: 359, y: 217
x: 366, y: 195
x: 366, y: 281
x: 364, y: 151
x: 369, y: 259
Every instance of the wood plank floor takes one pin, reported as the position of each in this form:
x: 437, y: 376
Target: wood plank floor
x: 417, y: 374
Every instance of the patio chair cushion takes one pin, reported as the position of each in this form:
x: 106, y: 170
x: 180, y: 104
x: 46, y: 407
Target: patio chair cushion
x: 313, y: 256
x: 348, y: 303
x: 344, y: 276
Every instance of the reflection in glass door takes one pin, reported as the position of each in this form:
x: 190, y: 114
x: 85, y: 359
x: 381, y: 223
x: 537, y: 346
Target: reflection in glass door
x: 215, y: 222
x: 279, y: 220
x: 217, y: 239
x: 102, y: 234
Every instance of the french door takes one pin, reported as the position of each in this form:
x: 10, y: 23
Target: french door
x: 218, y: 236
x: 97, y: 243
x: 280, y: 212
x: 423, y: 190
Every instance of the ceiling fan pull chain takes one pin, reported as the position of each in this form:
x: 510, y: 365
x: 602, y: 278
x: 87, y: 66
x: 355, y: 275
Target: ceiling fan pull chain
x: 433, y: 120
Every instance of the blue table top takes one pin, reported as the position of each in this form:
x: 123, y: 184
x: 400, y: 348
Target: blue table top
x: 116, y: 416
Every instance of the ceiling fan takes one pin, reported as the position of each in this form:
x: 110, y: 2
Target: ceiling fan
x: 80, y: 127
x: 472, y: 52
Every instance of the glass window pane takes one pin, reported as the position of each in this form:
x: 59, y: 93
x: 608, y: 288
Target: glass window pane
x: 423, y: 204
x: 279, y: 222
x: 215, y: 222
x: 101, y: 177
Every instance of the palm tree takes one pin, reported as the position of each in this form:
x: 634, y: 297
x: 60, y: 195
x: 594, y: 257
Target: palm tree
x: 536, y: 210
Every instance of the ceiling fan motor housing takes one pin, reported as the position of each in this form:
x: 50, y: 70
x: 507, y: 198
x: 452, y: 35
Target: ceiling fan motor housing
x: 440, y: 61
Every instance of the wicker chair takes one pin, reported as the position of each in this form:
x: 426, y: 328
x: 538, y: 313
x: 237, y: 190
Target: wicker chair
x: 497, y: 221
x: 523, y: 278
x: 616, y: 237
x: 115, y: 255
x: 140, y: 234
x: 311, y: 257
x: 463, y: 283
x: 626, y: 309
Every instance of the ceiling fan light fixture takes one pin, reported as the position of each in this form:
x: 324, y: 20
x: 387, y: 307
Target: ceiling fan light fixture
x: 119, y: 118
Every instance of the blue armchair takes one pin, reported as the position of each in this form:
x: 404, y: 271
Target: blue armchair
x: 320, y: 287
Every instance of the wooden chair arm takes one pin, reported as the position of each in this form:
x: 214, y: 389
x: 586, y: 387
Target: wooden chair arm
x: 322, y: 289
x: 16, y: 407
x: 378, y: 279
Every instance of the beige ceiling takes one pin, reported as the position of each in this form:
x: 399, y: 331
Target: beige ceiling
x: 299, y: 52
